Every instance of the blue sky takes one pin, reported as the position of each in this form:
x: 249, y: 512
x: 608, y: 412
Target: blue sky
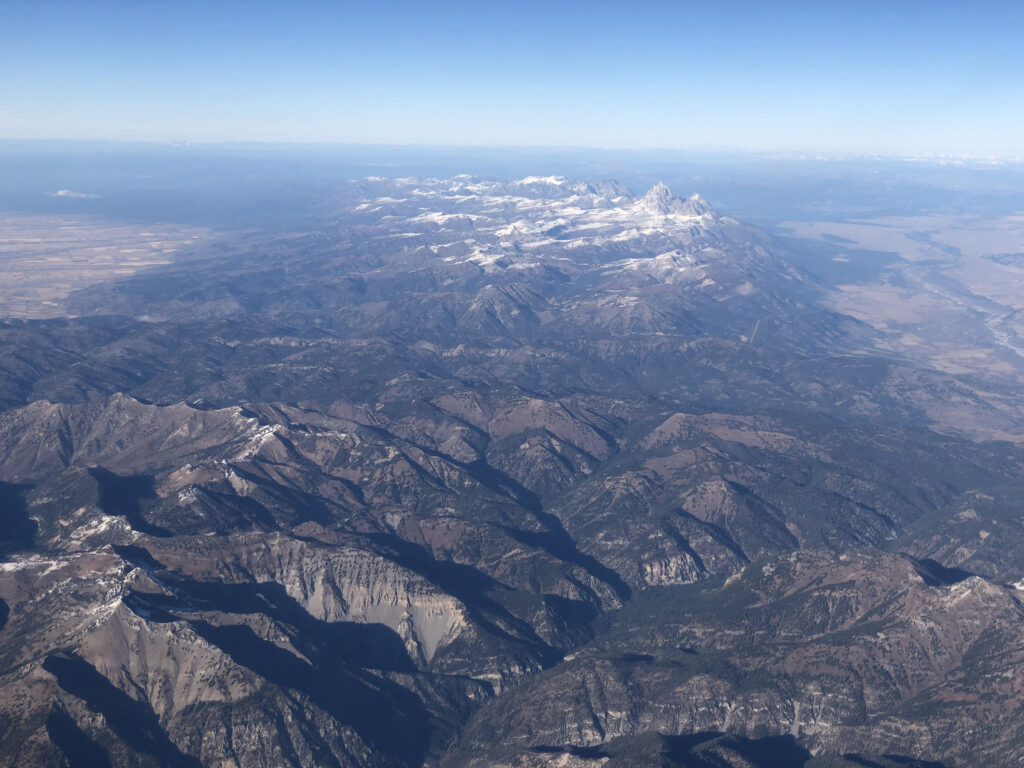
x: 888, y: 77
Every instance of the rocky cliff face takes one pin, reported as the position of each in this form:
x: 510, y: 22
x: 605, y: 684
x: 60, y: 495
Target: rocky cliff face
x: 479, y: 473
x: 826, y: 649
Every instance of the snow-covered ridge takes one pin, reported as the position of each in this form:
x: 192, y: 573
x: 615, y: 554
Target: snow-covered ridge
x: 526, y: 222
x: 558, y: 181
x: 537, y: 220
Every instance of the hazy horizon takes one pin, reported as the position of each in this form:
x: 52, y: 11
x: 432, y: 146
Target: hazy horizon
x: 250, y: 184
x: 809, y: 154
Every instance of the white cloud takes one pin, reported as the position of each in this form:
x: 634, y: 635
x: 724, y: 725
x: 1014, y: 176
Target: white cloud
x: 75, y: 195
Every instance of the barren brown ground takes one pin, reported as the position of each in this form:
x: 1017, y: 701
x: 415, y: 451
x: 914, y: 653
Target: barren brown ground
x: 952, y: 301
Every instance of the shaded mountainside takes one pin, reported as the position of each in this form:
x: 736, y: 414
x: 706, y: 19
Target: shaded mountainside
x: 481, y: 473
x: 829, y: 649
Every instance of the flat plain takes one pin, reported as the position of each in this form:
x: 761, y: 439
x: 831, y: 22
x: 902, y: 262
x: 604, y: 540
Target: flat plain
x: 43, y: 258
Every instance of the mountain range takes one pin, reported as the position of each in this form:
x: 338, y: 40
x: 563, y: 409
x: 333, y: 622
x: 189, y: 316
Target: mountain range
x: 479, y: 473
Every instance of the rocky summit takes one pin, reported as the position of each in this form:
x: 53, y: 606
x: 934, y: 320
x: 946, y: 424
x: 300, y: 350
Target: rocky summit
x: 469, y: 472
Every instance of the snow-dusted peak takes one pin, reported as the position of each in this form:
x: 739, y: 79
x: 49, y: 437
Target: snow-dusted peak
x: 611, y: 189
x: 696, y: 205
x: 662, y: 201
x: 551, y: 181
x: 659, y: 200
x: 546, y: 187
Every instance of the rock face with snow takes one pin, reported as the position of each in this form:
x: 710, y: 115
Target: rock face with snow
x: 479, y: 472
x: 661, y: 201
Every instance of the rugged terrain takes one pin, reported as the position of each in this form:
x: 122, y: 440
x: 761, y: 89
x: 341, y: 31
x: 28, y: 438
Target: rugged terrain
x: 502, y: 473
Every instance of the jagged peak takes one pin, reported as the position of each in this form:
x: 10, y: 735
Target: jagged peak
x: 661, y: 200
x: 611, y: 189
x: 660, y: 197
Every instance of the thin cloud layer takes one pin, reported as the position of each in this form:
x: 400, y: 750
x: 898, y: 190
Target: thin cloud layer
x: 74, y: 195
